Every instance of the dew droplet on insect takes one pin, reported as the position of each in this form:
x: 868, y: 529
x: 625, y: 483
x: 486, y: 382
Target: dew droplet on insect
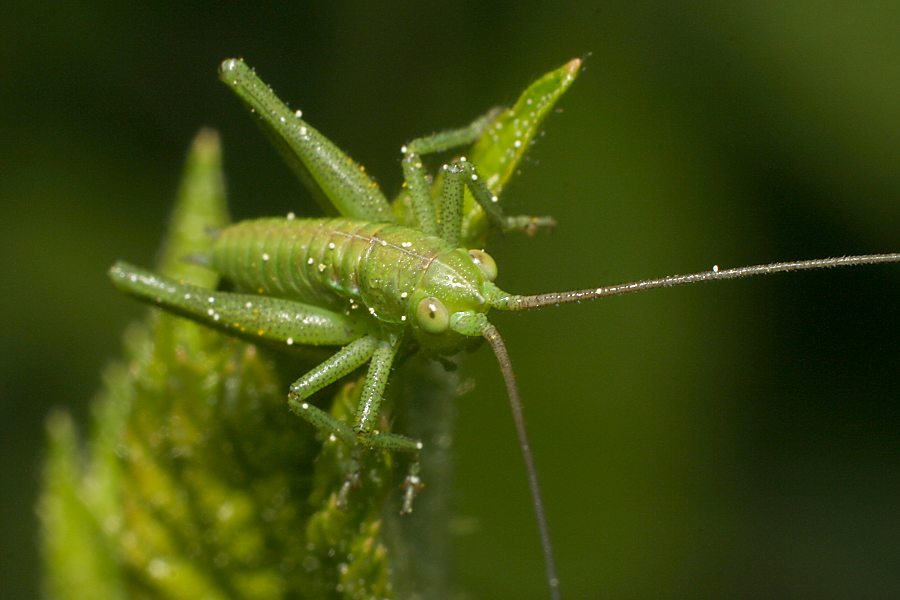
x: 403, y: 149
x: 402, y: 317
x: 322, y: 267
x: 495, y: 199
x: 715, y: 269
x: 303, y: 130
x: 298, y: 113
x: 210, y: 312
x: 211, y: 299
x: 304, y: 406
x: 216, y: 317
x: 474, y: 177
x: 310, y: 261
x: 187, y: 296
x: 265, y: 256
x: 331, y: 245
x: 517, y: 143
x: 406, y: 244
x: 290, y: 341
x: 248, y: 305
x: 404, y: 294
x: 291, y: 216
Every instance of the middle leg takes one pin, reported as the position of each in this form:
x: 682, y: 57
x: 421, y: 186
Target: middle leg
x: 461, y: 174
x: 414, y: 172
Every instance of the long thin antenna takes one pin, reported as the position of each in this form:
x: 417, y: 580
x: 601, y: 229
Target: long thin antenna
x: 515, y: 403
x: 528, y: 302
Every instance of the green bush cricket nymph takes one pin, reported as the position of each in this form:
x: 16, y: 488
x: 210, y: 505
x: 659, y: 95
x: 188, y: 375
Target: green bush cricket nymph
x: 381, y: 279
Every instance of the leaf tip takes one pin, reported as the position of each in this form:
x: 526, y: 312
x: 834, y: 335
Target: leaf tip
x: 206, y: 145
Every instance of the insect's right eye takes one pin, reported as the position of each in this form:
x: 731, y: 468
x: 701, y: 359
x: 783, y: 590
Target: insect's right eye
x: 484, y: 262
x: 432, y: 315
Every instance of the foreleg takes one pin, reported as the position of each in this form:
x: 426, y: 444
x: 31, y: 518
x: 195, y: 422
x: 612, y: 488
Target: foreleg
x: 364, y: 433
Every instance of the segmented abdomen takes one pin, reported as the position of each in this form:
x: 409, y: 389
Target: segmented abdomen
x: 329, y: 262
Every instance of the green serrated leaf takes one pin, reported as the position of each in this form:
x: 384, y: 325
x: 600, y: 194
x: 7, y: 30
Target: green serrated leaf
x: 75, y: 547
x: 499, y: 151
x: 200, y: 209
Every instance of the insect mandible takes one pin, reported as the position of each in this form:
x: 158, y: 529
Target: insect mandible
x: 379, y: 279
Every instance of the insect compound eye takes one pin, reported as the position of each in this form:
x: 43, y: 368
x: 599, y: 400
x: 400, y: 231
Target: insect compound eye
x: 484, y: 262
x: 432, y: 315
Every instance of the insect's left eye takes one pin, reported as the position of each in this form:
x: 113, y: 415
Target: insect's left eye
x: 484, y: 262
x: 432, y: 315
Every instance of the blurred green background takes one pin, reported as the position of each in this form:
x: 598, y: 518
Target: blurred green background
x: 738, y: 439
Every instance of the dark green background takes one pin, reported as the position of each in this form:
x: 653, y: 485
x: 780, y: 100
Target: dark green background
x: 737, y: 439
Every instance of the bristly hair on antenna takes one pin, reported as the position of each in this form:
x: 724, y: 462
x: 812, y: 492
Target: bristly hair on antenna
x: 513, y: 302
